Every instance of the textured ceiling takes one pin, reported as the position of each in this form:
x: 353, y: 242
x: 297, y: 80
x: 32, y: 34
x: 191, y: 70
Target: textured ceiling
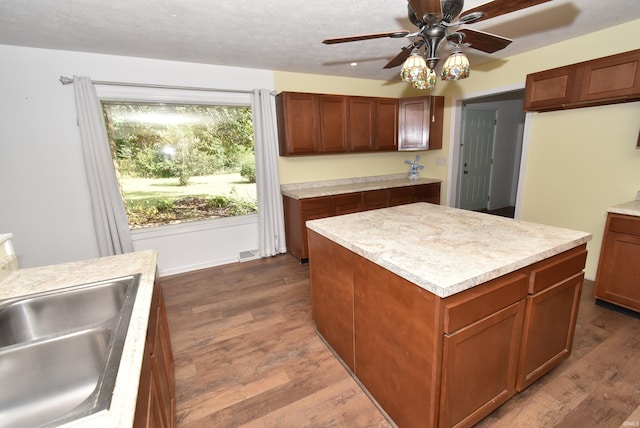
x: 278, y: 34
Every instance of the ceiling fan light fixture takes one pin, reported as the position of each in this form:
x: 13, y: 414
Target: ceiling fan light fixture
x: 456, y: 67
x: 414, y: 68
x: 429, y: 82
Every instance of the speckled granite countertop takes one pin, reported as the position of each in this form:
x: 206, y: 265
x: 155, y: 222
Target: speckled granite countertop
x: 34, y: 280
x: 445, y: 250
x: 350, y: 185
x: 628, y: 208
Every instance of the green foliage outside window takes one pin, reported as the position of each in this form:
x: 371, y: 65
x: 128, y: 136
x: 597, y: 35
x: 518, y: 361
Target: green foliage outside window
x: 155, y: 142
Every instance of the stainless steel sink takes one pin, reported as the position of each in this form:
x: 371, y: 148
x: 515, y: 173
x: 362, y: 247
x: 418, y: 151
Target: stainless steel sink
x: 60, y: 351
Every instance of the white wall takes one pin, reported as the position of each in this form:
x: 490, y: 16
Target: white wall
x: 44, y: 199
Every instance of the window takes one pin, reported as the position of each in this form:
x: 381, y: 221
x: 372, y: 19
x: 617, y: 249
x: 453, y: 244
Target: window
x: 181, y: 162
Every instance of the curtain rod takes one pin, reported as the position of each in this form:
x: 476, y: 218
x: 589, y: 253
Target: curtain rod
x: 68, y: 80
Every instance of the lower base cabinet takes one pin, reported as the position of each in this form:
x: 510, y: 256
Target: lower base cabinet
x: 444, y: 362
x: 156, y: 392
x: 618, y: 275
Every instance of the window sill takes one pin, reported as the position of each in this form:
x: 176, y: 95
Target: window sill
x: 191, y: 227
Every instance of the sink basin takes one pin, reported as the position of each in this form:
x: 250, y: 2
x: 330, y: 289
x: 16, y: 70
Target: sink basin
x: 43, y: 315
x: 60, y: 351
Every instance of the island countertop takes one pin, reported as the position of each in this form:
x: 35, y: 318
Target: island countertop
x: 34, y: 280
x: 446, y: 250
x: 350, y: 185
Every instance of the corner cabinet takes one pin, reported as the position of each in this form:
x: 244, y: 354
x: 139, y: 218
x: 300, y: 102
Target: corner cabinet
x: 298, y: 211
x: 420, y: 123
x: 608, y: 80
x: 618, y: 275
x: 156, y: 392
x: 313, y: 124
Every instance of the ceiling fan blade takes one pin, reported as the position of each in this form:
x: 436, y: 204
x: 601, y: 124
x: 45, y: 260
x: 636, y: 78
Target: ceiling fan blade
x: 395, y: 34
x: 400, y: 58
x: 484, y: 42
x: 501, y: 7
x: 423, y: 7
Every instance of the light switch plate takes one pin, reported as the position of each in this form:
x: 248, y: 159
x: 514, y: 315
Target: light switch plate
x: 443, y: 161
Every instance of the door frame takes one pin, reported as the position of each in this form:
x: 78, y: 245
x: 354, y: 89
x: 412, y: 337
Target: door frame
x: 456, y: 135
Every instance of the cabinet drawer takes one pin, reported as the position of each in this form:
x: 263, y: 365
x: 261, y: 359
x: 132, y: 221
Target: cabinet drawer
x: 400, y: 195
x: 314, y: 204
x: 477, y: 303
x: 557, y: 269
x: 427, y: 193
x: 373, y: 199
x: 624, y: 224
x: 349, y: 203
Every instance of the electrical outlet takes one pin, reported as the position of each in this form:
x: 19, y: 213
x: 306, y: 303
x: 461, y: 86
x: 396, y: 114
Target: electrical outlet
x: 638, y: 196
x: 443, y: 161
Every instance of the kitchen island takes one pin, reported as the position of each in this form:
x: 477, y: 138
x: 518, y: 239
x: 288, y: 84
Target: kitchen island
x: 444, y: 314
x: 128, y: 401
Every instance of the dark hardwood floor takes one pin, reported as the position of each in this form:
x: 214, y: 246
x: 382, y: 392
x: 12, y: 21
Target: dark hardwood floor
x: 247, y: 355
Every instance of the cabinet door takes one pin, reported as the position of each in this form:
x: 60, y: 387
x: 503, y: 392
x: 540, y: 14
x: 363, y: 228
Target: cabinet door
x: 414, y: 123
x: 618, y: 275
x: 313, y: 209
x: 298, y: 123
x: 550, y: 89
x: 417, y: 117
x: 479, y: 366
x: 362, y: 124
x: 386, y: 124
x: 333, y: 123
x: 549, y: 326
x: 614, y: 76
x: 162, y: 368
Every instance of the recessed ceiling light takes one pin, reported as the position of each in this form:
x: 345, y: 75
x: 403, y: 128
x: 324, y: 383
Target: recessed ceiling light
x: 353, y: 64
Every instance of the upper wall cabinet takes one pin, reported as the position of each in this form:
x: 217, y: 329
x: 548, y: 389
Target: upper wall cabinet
x: 609, y: 80
x: 420, y: 123
x: 310, y: 124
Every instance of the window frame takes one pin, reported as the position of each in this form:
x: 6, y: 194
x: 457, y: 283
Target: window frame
x: 141, y: 94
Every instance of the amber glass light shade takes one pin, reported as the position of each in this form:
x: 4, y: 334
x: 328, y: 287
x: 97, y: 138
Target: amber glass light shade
x: 414, y: 68
x: 456, y: 67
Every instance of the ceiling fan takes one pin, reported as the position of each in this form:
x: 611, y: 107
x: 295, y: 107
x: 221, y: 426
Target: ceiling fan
x: 436, y: 21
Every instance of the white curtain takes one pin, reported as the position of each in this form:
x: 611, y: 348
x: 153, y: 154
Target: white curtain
x: 109, y: 214
x: 270, y: 213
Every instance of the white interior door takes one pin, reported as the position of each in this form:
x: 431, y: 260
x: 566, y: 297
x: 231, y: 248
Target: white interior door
x: 477, y: 158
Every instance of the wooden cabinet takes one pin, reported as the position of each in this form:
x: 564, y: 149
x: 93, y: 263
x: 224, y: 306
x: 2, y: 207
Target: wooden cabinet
x: 552, y: 310
x: 618, y: 275
x: 156, y: 391
x: 298, y: 123
x: 420, y: 123
x: 607, y: 80
x: 333, y: 123
x: 444, y: 362
x: 311, y: 124
x: 386, y: 124
x: 298, y: 211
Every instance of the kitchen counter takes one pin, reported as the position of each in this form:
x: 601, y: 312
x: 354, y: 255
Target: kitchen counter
x: 446, y: 250
x: 33, y: 280
x: 350, y: 185
x: 628, y: 208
